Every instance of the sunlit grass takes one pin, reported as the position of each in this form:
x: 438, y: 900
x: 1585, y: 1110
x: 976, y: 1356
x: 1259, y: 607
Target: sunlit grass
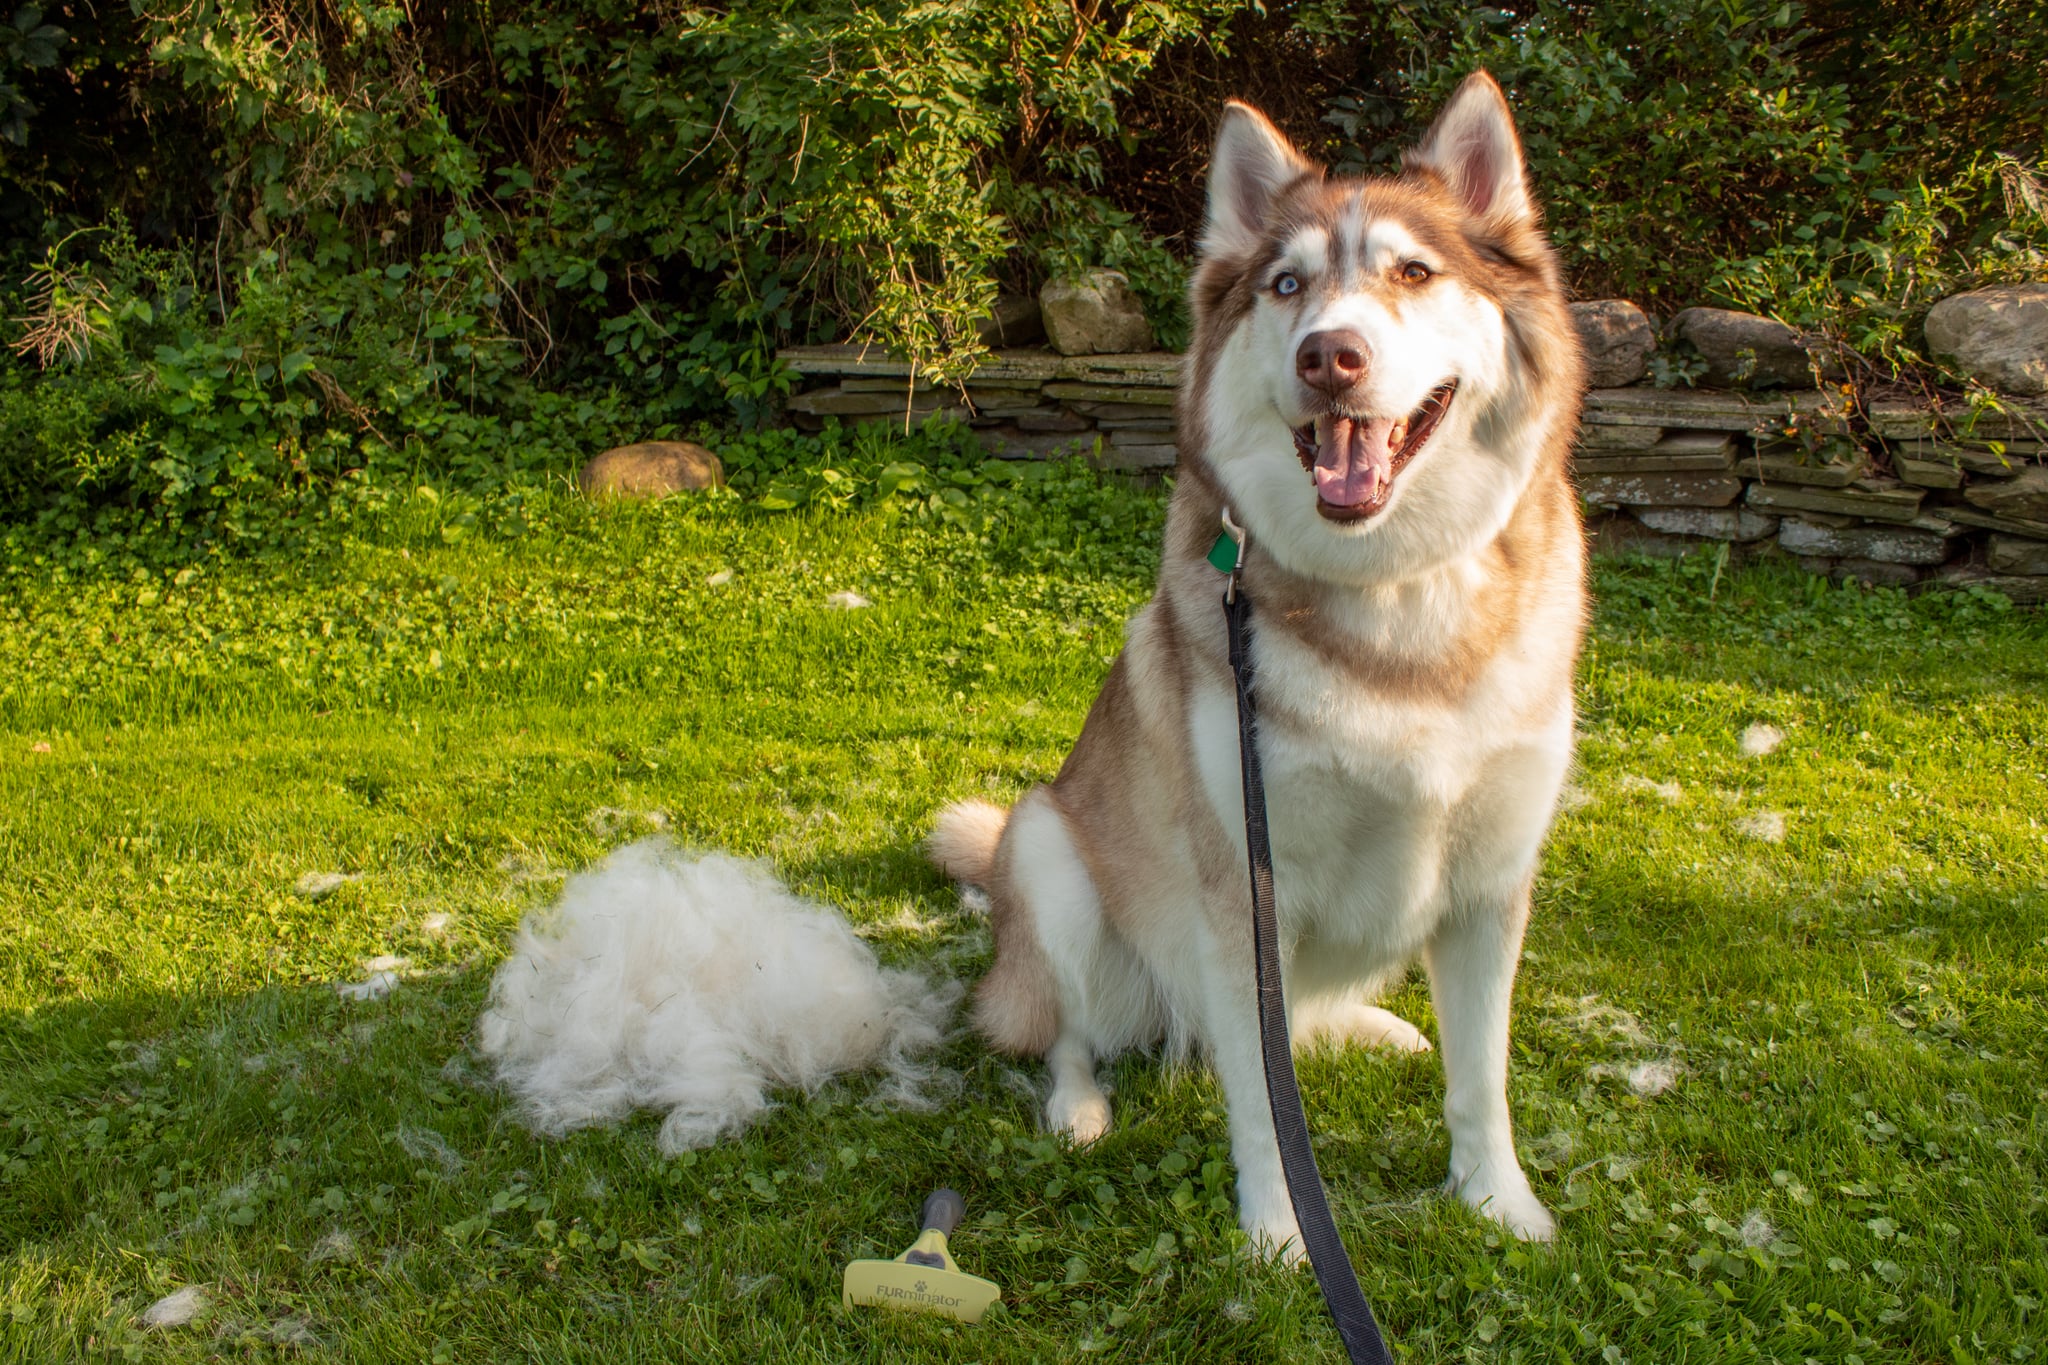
x: 1786, y: 1092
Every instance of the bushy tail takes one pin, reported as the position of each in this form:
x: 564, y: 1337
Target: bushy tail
x: 963, y: 843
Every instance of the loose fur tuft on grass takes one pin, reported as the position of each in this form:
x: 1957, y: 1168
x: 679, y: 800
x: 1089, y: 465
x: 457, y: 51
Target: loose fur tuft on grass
x: 696, y: 985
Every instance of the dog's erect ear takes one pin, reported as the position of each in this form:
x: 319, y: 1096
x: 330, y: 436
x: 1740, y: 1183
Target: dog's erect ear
x: 1473, y: 149
x: 1252, y: 164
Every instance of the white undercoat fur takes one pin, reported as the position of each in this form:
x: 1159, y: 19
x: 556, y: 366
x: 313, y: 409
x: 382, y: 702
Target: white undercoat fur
x: 695, y: 986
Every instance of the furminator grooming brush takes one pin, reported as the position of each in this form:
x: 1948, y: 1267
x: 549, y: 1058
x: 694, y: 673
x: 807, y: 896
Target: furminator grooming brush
x: 924, y: 1279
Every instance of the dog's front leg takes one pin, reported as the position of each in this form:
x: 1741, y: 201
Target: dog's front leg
x: 1231, y: 1027
x: 1472, y: 976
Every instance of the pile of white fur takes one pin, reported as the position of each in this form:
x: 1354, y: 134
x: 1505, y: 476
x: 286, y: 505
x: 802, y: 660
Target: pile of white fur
x: 696, y: 985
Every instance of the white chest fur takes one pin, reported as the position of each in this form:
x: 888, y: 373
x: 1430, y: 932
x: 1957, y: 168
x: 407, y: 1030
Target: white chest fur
x: 1388, y: 806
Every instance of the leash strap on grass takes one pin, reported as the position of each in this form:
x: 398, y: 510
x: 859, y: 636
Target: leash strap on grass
x: 1319, y: 1237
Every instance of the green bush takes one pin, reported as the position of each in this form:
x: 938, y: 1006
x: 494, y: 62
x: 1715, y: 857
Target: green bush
x: 261, y: 248
x: 1741, y: 153
x: 1840, y: 165
x: 416, y: 220
x: 773, y: 170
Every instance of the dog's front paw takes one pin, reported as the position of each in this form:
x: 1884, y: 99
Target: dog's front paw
x: 1508, y: 1201
x: 1270, y: 1224
x: 1082, y: 1114
x: 1524, y: 1216
x: 1360, y: 1025
x: 1276, y: 1238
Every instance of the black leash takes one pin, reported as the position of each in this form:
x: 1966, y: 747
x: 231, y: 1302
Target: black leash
x: 1319, y: 1236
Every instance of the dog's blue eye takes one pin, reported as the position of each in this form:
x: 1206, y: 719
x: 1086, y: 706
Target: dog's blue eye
x: 1286, y: 284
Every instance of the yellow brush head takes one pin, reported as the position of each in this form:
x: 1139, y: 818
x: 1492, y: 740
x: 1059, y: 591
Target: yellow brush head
x: 924, y: 1279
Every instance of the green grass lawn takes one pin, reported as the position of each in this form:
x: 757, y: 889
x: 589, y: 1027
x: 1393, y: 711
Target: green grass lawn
x: 1779, y: 1057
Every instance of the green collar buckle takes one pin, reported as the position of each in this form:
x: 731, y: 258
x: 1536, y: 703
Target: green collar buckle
x: 1227, y: 554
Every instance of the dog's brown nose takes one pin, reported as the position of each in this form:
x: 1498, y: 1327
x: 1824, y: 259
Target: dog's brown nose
x: 1331, y: 361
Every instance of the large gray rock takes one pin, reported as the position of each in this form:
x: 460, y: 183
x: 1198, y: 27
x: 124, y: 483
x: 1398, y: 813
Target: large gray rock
x: 650, y: 469
x: 1137, y: 458
x: 1712, y: 410
x: 1055, y: 419
x: 1997, y: 336
x: 845, y: 402
x: 2024, y: 495
x: 1891, y: 504
x: 1607, y: 439
x: 1624, y: 535
x: 1095, y: 314
x: 1743, y: 350
x: 1617, y: 340
x: 1881, y: 544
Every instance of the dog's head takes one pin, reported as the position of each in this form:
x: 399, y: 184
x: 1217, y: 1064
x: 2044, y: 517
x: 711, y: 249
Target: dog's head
x: 1380, y: 363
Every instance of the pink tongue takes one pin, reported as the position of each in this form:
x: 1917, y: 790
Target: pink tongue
x: 1354, y: 460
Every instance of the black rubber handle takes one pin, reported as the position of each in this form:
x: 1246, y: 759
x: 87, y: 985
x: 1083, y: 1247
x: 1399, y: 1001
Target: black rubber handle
x: 942, y: 1211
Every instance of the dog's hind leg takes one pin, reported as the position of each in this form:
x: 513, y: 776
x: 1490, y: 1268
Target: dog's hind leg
x: 1339, y: 1020
x: 1051, y: 948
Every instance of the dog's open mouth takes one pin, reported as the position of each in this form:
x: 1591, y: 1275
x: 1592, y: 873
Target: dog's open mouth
x: 1353, y: 460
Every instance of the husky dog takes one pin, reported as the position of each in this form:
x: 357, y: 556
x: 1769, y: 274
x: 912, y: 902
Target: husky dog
x: 1383, y: 388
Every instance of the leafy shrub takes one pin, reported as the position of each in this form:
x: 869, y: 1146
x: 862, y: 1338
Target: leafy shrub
x: 1868, y: 294
x: 1834, y: 164
x: 1698, y: 152
x: 401, y: 243
x: 795, y: 167
x: 430, y: 238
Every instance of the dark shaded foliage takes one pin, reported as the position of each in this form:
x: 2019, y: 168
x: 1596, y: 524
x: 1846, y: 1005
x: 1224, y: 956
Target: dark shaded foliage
x: 265, y: 244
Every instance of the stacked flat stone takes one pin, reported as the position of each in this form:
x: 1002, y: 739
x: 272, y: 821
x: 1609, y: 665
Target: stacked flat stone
x: 1117, y: 410
x: 1665, y: 471
x: 1988, y: 478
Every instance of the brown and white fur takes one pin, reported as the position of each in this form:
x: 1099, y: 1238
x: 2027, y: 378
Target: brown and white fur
x: 1414, y: 644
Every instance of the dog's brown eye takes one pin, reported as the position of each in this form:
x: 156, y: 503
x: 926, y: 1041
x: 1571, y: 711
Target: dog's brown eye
x: 1415, y: 272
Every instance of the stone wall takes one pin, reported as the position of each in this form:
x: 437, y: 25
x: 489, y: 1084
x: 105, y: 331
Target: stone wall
x: 1027, y: 404
x: 1901, y: 497
x: 1902, y: 500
